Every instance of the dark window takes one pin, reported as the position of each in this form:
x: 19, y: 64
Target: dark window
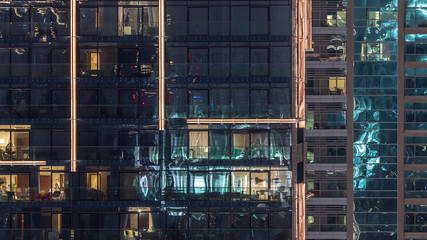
x: 88, y: 21
x: 198, y: 21
x: 280, y: 20
x: 239, y: 62
x: 4, y: 62
x: 40, y: 62
x: 198, y: 103
x: 20, y: 62
x: 178, y: 20
x: 259, y: 21
x: 4, y: 22
x: 219, y: 20
x: 198, y: 59
x: 240, y: 103
x: 219, y: 64
x: 239, y: 20
x: 259, y: 62
x: 20, y: 21
x: 259, y: 103
x: 108, y: 21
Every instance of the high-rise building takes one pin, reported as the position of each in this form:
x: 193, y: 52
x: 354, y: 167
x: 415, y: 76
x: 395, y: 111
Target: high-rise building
x: 152, y: 119
x: 326, y: 134
x: 377, y: 64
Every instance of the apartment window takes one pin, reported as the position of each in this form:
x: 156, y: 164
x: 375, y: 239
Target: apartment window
x: 88, y: 21
x: 14, y: 142
x: 40, y: 103
x: 219, y: 103
x: 240, y: 21
x: 240, y: 62
x: 198, y: 145
x: 60, y: 103
x: 219, y: 20
x: 20, y: 19
x: 259, y: 103
x: 278, y: 18
x: 259, y: 21
x: 280, y: 65
x: 107, y: 21
x: 128, y: 103
x: 40, y: 62
x: 199, y: 100
x: 60, y: 60
x: 20, y: 62
x: 259, y: 62
x: 198, y: 21
x: 240, y: 103
x: 60, y: 145
x: 178, y: 20
x: 20, y: 103
x: 198, y: 62
x: 88, y: 142
x: 98, y: 62
x: 219, y: 65
x: 337, y: 85
x: 4, y: 25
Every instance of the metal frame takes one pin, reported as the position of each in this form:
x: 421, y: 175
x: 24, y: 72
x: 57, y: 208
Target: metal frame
x: 73, y: 85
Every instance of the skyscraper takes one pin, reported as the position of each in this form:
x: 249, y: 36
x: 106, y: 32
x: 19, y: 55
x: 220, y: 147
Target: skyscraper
x: 385, y: 124
x: 150, y: 119
x: 326, y: 133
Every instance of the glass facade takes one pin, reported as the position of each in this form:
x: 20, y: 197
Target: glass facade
x: 375, y: 119
x: 134, y: 180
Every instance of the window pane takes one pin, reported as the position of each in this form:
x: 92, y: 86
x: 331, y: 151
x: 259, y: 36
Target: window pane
x: 19, y: 63
x: 240, y: 62
x: 219, y: 62
x: 4, y: 62
x: 178, y: 20
x: 280, y: 62
x: 20, y: 18
x: 240, y: 103
x: 259, y: 62
x: 178, y: 61
x: 131, y: 18
x: 219, y: 103
x: 150, y: 21
x: 198, y: 144
x: 108, y: 21
x: 60, y: 60
x: 259, y: 21
x: 4, y: 21
x: 88, y: 21
x: 279, y: 21
x: 198, y: 21
x: 40, y: 103
x: 40, y: 62
x: 198, y: 59
x: 239, y: 20
x: 60, y: 103
x: 198, y: 103
x: 20, y: 100
x: 219, y: 20
x: 259, y: 103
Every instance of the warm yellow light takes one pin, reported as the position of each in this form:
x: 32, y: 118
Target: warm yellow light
x: 23, y: 163
x: 162, y: 86
x: 241, y: 121
x: 73, y: 86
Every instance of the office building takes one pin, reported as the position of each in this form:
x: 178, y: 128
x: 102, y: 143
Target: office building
x: 150, y: 119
